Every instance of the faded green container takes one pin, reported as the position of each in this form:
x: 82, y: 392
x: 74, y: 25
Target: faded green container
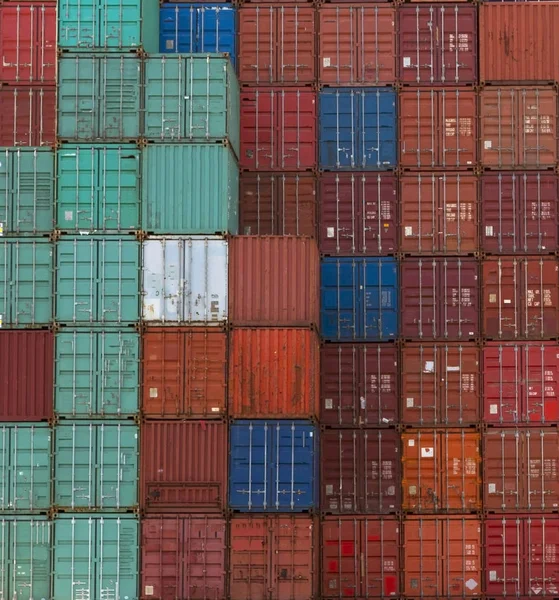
x: 190, y: 189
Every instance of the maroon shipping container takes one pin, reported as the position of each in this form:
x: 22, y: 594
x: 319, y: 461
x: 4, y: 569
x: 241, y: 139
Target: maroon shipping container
x: 520, y: 298
x: 26, y: 375
x: 273, y: 557
x: 360, y: 557
x: 358, y: 214
x: 183, y: 557
x: 521, y: 383
x: 438, y: 44
x: 278, y: 129
x: 356, y: 44
x: 183, y: 466
x: 360, y: 471
x: 440, y: 299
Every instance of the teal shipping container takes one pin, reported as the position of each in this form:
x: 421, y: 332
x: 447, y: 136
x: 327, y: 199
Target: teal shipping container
x: 97, y: 280
x: 99, y: 98
x: 96, y: 373
x: 25, y: 468
x: 190, y: 189
x: 98, y: 188
x: 26, y: 282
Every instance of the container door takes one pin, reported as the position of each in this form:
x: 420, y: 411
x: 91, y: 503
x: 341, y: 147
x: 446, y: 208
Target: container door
x: 459, y: 287
x: 257, y: 51
x: 503, y: 479
x: 500, y: 212
x: 162, y: 280
x: 419, y: 138
x: 460, y: 386
x: 538, y: 212
x: 78, y: 25
x: 296, y: 129
x: 461, y: 560
x: 458, y: 126
x: 378, y: 214
x: 457, y: 32
x: 379, y: 557
x: 540, y: 464
x: 541, y: 383
x: 379, y: 472
x: 258, y: 122
x: 339, y: 135
x: 250, y: 560
x: 341, y: 549
x: 504, y: 556
x: 499, y: 128
x: 339, y: 288
x: 541, y: 548
x: 119, y: 24
x: 377, y: 129
x: 177, y: 28
x: 421, y: 464
x: 377, y: 304
x: 502, y: 377
x: 419, y: 45
x: 537, y: 139
x: 458, y: 214
x: 215, y: 28
x: 460, y: 472
x: 540, y: 297
x: 420, y: 382
x: 295, y: 38
x: 341, y: 474
x: 419, y: 209
x: 423, y: 549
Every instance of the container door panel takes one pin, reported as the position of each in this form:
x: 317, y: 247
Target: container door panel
x: 541, y: 547
x: 337, y: 41
x: 418, y: 45
x: 78, y: 24
x: 296, y: 45
x: 296, y: 132
x: 458, y: 214
x: 119, y: 24
x: 499, y: 128
x: 419, y: 142
x: 457, y: 31
x: 375, y: 47
x: 378, y: 302
x: 460, y: 387
x: 420, y: 299
x: 459, y: 284
x: 259, y: 143
x: 249, y: 572
x: 458, y: 126
x: 339, y: 300
x: 27, y: 116
x: 502, y: 383
x: 216, y: 27
x: 420, y: 393
x: 541, y: 381
x: 504, y: 557
x: 541, y: 464
x: 460, y: 481
x: 378, y: 215
x: 338, y: 129
x: 78, y: 97
x: 420, y: 477
x: 341, y: 471
x: 539, y: 208
x: 341, y: 539
x: 377, y: 129
x: 540, y: 298
x: 500, y: 211
x: 339, y: 218
x: 380, y: 557
x: 538, y: 140
x: 462, y: 570
x: 503, y: 481
x: 162, y: 274
x: 77, y: 267
x: 178, y: 28
x: 422, y: 556
x: 377, y: 385
x: 419, y: 209
x: 380, y: 471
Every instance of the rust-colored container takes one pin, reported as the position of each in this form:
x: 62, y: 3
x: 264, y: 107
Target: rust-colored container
x: 184, y: 372
x: 438, y: 128
x: 183, y: 557
x: 442, y: 557
x: 183, y: 466
x: 358, y: 214
x: 356, y: 44
x: 440, y: 384
x: 360, y: 557
x: 273, y: 281
x: 273, y: 557
x: 518, y: 127
x: 440, y: 299
x: 274, y: 373
x: 520, y: 298
x: 438, y: 213
x: 277, y: 204
x: 441, y: 471
x: 26, y: 375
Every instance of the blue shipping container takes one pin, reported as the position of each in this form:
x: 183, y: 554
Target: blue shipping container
x: 358, y: 129
x: 359, y: 299
x: 273, y: 466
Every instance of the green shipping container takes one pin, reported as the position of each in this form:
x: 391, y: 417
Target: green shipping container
x: 96, y: 373
x: 25, y: 468
x: 190, y: 189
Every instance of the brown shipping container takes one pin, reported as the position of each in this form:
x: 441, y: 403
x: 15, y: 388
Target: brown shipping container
x: 438, y: 213
x: 183, y: 466
x: 277, y: 204
x: 520, y: 298
x: 438, y: 44
x: 442, y: 557
x: 184, y: 372
x: 360, y: 557
x: 518, y: 128
x: 26, y: 375
x: 360, y: 471
x: 273, y: 557
x: 183, y: 557
x: 441, y: 471
x: 440, y: 384
x: 356, y: 44
x: 274, y: 373
x: 273, y: 281
x: 440, y: 299
x: 438, y: 128
x: 521, y: 469
x: 519, y: 213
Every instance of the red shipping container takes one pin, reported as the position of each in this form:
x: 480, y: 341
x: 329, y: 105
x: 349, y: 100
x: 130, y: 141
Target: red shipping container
x: 438, y: 44
x: 438, y: 128
x: 358, y: 214
x: 273, y: 557
x: 26, y: 375
x: 278, y: 129
x: 520, y: 298
x: 360, y: 557
x: 356, y: 44
x: 440, y: 299
x: 184, y: 372
x: 438, y: 213
x: 277, y: 204
x: 183, y: 557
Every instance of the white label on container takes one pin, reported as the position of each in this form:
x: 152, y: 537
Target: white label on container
x: 328, y: 403
x: 493, y: 409
x: 330, y: 232
x: 215, y: 409
x: 412, y: 490
x: 363, y: 403
x: 169, y: 44
x: 507, y: 301
x: 429, y: 366
x: 148, y: 590
x: 409, y: 403
x: 1, y: 228
x: 411, y: 442
x: 1, y: 320
x: 427, y: 452
x: 407, y: 61
x: 408, y: 231
x: 153, y: 393
x: 68, y: 215
x: 326, y: 61
x: 489, y: 230
x: 329, y: 490
x: 492, y: 575
x: 487, y: 144
x: 471, y: 584
x: 492, y: 488
x: 492, y: 298
x: 452, y: 369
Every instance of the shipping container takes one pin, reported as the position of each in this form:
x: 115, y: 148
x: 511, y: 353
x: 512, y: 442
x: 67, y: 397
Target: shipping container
x: 360, y: 471
x: 520, y: 298
x: 278, y: 129
x: 359, y: 299
x: 183, y: 557
x: 273, y: 373
x: 189, y: 189
x: 441, y: 471
x: 438, y: 128
x: 273, y: 557
x: 358, y: 214
x: 440, y: 299
x: 183, y: 466
x: 273, y: 466
x: 357, y: 129
x: 360, y: 557
x: 184, y: 280
x: 274, y: 281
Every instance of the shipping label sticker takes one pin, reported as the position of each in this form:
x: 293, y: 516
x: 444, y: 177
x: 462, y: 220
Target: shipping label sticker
x: 326, y: 61
x: 507, y: 301
x: 409, y: 404
x: 429, y: 366
x: 487, y: 144
x: 68, y: 215
x: 492, y: 488
x: 471, y: 584
x: 215, y: 409
x: 330, y: 232
x: 450, y: 369
x: 411, y: 443
x: 1, y: 228
x: 153, y: 393
x: 427, y: 452
x: 408, y: 231
x: 407, y: 62
x: 148, y: 590
x: 493, y: 409
x: 363, y: 402
x: 492, y: 298
x: 329, y: 490
x: 489, y: 230
x: 412, y: 490
x: 328, y: 403
x: 492, y: 575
